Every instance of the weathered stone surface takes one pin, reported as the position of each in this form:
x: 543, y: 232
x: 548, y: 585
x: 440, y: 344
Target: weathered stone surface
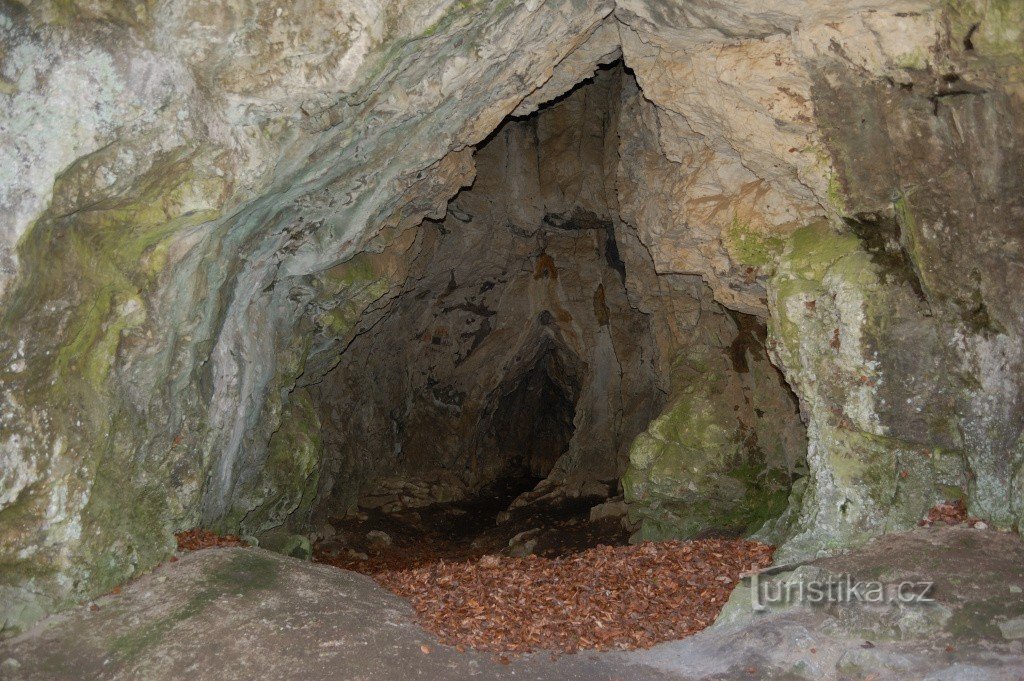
x: 877, y: 463
x: 908, y: 289
x: 957, y: 634
x: 200, y: 182
x: 613, y: 508
x: 238, y: 613
x: 281, y: 541
x: 512, y: 343
x: 872, y: 120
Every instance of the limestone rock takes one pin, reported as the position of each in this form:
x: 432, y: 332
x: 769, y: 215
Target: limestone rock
x: 150, y: 312
x: 377, y: 539
x: 288, y: 544
x: 613, y: 508
x: 704, y: 464
x: 523, y: 544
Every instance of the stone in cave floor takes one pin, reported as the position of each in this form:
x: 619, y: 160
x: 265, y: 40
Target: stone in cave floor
x: 235, y: 613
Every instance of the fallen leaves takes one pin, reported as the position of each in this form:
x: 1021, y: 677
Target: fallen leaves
x: 197, y: 538
x: 607, y: 597
x: 952, y: 513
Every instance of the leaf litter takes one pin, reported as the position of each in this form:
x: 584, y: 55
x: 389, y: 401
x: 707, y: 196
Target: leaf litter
x: 604, y: 598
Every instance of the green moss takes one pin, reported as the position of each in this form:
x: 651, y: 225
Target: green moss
x: 353, y: 284
x: 915, y: 61
x: 136, y: 642
x: 691, y: 470
x: 836, y: 196
x: 136, y: 13
x: 750, y: 247
x: 287, y: 483
x: 125, y: 522
x: 100, y: 253
x: 994, y: 28
x: 811, y: 251
x: 359, y: 269
x: 980, y: 619
x: 910, y: 231
x: 87, y: 272
x: 15, y: 521
x: 866, y: 462
x: 828, y: 292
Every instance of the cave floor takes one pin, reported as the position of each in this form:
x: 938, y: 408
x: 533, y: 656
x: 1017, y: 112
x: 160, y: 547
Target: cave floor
x: 468, y: 529
x: 234, y: 613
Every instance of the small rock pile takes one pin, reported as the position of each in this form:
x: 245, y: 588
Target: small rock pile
x: 604, y: 598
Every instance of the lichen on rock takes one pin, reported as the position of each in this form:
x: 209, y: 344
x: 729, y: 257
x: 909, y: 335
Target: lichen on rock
x: 833, y: 322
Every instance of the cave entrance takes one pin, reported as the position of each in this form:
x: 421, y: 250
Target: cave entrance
x: 490, y: 399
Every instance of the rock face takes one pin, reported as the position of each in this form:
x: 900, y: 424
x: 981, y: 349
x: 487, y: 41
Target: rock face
x: 212, y: 240
x: 231, y: 613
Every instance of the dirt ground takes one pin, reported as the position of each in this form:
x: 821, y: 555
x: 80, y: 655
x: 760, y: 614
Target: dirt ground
x: 469, y: 529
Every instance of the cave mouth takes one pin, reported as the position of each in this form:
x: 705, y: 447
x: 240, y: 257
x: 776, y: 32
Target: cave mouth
x: 493, y: 395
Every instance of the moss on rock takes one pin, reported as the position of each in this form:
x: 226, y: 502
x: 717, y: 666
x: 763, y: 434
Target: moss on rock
x: 89, y: 268
x: 751, y: 247
x: 992, y: 28
x: 834, y: 312
x: 696, y: 467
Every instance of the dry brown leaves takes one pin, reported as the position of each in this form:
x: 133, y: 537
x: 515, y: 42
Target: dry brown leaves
x: 197, y: 538
x: 607, y: 597
x: 952, y: 513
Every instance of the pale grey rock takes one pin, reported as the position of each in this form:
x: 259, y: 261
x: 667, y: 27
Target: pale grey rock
x: 378, y: 539
x: 1012, y: 630
x: 613, y: 508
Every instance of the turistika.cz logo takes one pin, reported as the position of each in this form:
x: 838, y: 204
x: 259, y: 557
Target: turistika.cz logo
x: 842, y: 589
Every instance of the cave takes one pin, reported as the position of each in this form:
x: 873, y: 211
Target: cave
x: 524, y: 340
x: 564, y: 321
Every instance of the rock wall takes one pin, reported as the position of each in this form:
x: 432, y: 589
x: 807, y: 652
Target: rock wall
x: 843, y: 187
x: 533, y: 335
x: 200, y: 200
